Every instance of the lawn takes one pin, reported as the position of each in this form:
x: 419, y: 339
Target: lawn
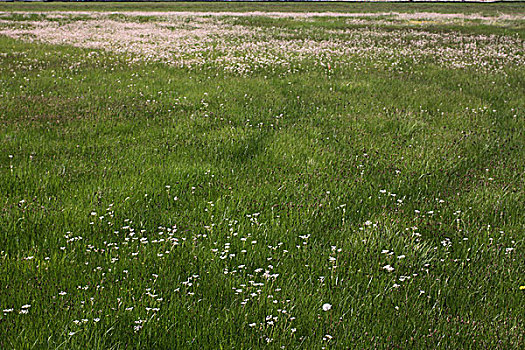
x: 317, y: 176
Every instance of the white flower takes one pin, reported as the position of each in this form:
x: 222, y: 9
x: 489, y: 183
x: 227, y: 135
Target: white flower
x: 326, y: 307
x: 388, y: 268
x: 26, y: 306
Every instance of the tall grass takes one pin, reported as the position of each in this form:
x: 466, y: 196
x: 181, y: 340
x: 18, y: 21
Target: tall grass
x: 145, y: 205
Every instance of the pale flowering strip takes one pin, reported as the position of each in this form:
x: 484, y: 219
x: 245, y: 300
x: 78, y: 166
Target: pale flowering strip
x: 273, y: 14
x: 192, y: 40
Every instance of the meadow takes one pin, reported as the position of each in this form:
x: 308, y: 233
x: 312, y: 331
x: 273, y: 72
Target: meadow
x: 295, y: 176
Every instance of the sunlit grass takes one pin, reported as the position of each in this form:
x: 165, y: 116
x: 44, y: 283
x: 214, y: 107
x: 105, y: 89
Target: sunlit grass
x: 339, y: 201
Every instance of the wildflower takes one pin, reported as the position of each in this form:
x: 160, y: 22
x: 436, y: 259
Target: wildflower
x: 521, y: 288
x: 388, y: 268
x: 327, y: 307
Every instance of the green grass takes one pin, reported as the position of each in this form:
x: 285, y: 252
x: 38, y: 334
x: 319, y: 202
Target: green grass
x: 168, y: 190
x: 483, y: 8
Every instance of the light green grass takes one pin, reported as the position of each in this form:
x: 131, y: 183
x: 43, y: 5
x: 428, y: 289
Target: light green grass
x: 210, y: 176
x: 349, y: 7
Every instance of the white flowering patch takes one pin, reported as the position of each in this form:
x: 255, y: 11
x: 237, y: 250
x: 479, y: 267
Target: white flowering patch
x: 216, y: 40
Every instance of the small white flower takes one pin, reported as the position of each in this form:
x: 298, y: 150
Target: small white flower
x: 388, y: 268
x: 327, y: 307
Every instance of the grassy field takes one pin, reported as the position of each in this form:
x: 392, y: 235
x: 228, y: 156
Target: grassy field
x: 458, y: 7
x: 293, y: 181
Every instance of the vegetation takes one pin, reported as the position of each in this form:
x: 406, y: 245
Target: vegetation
x: 305, y: 182
x: 458, y: 7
